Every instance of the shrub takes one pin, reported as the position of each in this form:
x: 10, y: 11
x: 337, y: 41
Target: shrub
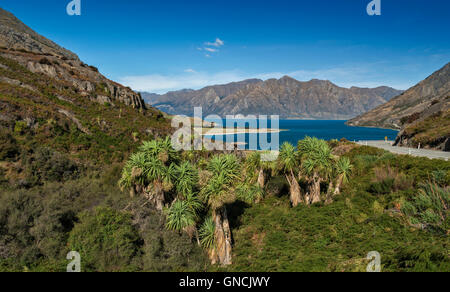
x: 8, y: 146
x: 19, y: 127
x: 440, y: 177
x: 410, y: 119
x: 48, y: 165
x: 106, y: 240
x: 429, y: 207
x: 17, y: 214
x: 382, y: 188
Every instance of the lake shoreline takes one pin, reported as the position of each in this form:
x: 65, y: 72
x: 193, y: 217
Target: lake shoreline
x: 238, y: 131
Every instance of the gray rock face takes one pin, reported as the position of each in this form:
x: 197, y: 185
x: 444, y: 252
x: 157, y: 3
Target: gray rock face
x: 42, y: 56
x: 42, y: 68
x: 286, y: 97
x: 16, y: 83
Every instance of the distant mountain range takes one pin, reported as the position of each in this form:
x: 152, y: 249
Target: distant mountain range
x: 422, y: 113
x: 287, y: 97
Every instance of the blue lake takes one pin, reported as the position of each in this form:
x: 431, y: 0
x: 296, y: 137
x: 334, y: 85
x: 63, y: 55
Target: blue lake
x: 327, y: 130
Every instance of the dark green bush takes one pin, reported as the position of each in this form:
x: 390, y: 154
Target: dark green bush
x: 8, y: 145
x: 106, y: 240
x: 48, y: 165
x: 163, y: 250
x: 18, y: 212
x: 382, y: 188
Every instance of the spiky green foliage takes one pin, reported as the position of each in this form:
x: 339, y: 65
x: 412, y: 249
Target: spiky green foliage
x: 249, y: 193
x: 206, y: 232
x: 225, y: 170
x: 180, y: 216
x: 155, y: 162
x: 226, y: 165
x: 252, y: 165
x: 217, y: 192
x: 161, y: 149
x: 186, y: 179
x: 309, y: 146
x: 288, y: 158
x: 317, y: 157
x: 344, y: 168
x: 194, y: 202
x: 429, y: 207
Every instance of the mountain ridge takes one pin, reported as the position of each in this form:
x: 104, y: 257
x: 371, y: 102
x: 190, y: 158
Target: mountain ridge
x: 422, y: 113
x: 287, y: 97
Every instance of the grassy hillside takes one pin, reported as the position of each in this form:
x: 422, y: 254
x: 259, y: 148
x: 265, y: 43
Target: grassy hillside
x: 388, y: 205
x: 368, y: 216
x: 61, y: 156
x: 432, y: 131
x: 38, y: 110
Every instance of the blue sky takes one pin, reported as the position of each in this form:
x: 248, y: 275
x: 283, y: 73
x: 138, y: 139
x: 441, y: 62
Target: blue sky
x: 165, y: 45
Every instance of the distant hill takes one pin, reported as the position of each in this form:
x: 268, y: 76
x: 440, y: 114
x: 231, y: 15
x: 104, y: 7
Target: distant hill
x: 287, y: 97
x: 422, y: 113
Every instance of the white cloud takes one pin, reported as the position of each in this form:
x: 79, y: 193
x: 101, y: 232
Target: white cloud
x: 361, y: 76
x: 218, y: 43
x: 212, y: 47
x: 157, y: 83
x: 211, y: 50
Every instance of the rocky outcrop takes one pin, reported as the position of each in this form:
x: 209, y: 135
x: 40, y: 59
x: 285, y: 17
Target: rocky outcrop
x: 286, y: 97
x: 72, y: 117
x: 16, y: 83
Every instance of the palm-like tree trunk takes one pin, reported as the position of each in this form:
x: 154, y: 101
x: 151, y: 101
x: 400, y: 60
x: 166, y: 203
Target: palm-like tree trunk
x: 155, y: 194
x: 222, y: 238
x: 296, y: 196
x: 329, y: 198
x: 261, y: 178
x: 337, y: 190
x: 132, y: 192
x: 315, y: 189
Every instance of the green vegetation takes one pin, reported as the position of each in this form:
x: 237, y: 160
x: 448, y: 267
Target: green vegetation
x: 337, y: 237
x: 158, y: 173
x: 58, y: 182
x: 33, y: 114
x: 107, y: 240
x: 185, y: 211
x: 432, y: 131
x: 84, y: 181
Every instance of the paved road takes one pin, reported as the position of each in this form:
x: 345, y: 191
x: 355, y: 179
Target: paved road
x: 432, y: 154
